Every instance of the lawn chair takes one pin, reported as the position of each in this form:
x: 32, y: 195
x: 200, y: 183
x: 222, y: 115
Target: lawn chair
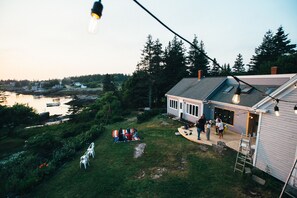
x: 84, y: 160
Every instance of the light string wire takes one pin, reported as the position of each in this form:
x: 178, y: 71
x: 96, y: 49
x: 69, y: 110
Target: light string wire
x: 212, y: 60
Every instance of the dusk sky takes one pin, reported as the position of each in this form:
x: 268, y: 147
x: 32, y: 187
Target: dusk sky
x: 47, y: 39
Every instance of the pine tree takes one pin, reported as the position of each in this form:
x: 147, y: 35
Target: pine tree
x: 174, y: 64
x: 135, y: 90
x: 108, y: 83
x: 226, y: 70
x: 215, y: 70
x: 282, y: 43
x: 196, y: 58
x: 146, y: 55
x: 156, y: 74
x: 272, y: 48
x: 238, y: 67
x: 264, y: 53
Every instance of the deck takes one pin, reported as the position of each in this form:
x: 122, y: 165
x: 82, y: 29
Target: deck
x: 230, y: 138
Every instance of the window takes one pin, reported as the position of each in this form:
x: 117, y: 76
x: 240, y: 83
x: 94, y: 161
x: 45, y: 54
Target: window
x: 173, y: 104
x: 225, y: 115
x: 196, y: 114
x: 181, y: 105
x: 192, y: 109
x: 228, y: 89
x: 246, y: 90
x: 269, y: 90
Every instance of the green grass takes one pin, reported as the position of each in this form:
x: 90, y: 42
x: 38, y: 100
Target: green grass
x: 184, y: 170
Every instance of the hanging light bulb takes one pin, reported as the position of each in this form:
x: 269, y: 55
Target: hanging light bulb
x: 295, y: 109
x: 276, y: 109
x: 96, y: 14
x: 236, y: 97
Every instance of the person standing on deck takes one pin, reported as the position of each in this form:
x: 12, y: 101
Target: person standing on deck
x: 200, y: 125
x: 208, y: 126
x: 221, y: 129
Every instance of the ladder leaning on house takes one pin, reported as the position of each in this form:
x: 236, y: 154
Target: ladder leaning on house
x: 244, y: 156
x: 290, y: 187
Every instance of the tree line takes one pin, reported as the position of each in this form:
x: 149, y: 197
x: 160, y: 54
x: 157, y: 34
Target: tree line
x: 159, y: 69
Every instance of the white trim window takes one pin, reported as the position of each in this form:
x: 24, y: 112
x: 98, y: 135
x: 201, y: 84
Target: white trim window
x: 173, y: 104
x: 192, y: 109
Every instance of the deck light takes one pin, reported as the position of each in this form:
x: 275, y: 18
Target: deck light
x: 236, y: 97
x: 96, y: 14
x: 276, y: 109
x: 295, y: 109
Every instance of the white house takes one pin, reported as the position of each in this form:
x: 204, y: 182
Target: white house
x: 276, y: 137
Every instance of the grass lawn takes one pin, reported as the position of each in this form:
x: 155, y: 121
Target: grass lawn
x: 171, y: 166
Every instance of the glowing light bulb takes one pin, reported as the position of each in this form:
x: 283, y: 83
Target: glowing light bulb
x: 236, y: 97
x: 96, y: 13
x: 93, y: 23
x: 276, y: 111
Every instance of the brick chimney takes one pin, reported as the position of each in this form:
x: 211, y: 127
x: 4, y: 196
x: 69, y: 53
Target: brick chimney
x: 199, y: 74
x: 274, y: 70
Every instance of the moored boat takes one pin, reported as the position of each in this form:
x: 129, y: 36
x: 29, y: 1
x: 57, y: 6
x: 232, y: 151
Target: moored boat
x: 53, y: 104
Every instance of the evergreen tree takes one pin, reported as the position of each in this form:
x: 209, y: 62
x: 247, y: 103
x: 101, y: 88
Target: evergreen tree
x: 215, y: 70
x: 136, y: 89
x: 151, y: 62
x: 156, y: 74
x: 238, y: 66
x: 108, y: 83
x: 271, y: 49
x: 226, y: 70
x: 264, y: 53
x: 282, y: 43
x: 147, y: 55
x: 196, y: 58
x: 174, y: 64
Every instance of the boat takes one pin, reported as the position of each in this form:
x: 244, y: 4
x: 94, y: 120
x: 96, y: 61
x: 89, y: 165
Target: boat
x: 56, y: 99
x: 53, y: 104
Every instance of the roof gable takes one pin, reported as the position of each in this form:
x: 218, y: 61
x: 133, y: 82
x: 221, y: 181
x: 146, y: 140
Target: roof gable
x: 196, y: 89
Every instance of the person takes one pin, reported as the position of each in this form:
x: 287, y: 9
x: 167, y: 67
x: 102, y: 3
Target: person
x: 221, y: 128
x: 129, y: 135
x: 208, y: 126
x: 217, y: 123
x: 135, y: 135
x: 115, y: 135
x: 121, y: 137
x: 200, y: 125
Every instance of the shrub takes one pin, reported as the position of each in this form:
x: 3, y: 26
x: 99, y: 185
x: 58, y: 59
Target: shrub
x: 146, y: 115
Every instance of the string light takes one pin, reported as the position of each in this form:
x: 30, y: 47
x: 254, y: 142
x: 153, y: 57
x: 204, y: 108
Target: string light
x: 97, y: 13
x: 276, y: 109
x: 236, y: 97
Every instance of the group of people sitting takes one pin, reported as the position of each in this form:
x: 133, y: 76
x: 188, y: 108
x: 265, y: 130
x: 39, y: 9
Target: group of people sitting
x: 123, y: 135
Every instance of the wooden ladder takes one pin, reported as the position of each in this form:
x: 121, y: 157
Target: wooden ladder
x: 290, y: 187
x: 243, y: 155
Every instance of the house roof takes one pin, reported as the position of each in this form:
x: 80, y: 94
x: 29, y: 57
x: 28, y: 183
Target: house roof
x: 265, y: 83
x: 278, y: 92
x: 246, y: 99
x: 196, y: 89
x: 222, y: 89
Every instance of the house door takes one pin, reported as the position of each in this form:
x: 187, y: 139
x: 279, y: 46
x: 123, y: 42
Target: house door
x: 180, y: 110
x: 253, y: 121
